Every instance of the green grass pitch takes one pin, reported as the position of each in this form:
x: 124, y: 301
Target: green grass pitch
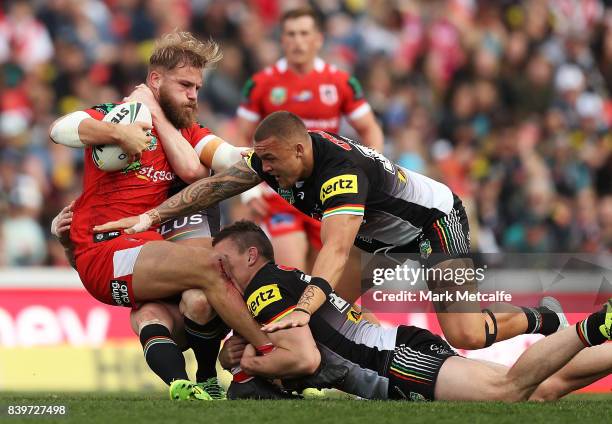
x: 138, y: 408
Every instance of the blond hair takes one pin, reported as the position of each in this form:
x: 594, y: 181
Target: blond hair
x: 181, y: 48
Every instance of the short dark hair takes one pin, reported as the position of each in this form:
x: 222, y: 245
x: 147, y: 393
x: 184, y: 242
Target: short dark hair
x: 302, y: 11
x: 246, y: 234
x: 281, y: 124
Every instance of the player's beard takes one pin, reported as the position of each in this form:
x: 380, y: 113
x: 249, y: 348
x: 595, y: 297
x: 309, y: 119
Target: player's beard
x: 180, y: 115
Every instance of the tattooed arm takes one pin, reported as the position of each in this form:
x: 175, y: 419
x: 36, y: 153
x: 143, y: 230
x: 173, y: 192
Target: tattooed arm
x: 338, y: 233
x: 209, y: 191
x: 195, y: 197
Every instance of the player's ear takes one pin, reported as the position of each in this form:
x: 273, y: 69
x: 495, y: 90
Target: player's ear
x: 253, y: 255
x: 154, y: 80
x: 299, y: 150
x: 319, y: 40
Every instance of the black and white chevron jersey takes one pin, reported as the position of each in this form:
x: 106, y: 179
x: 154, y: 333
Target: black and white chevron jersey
x: 349, y: 178
x: 384, y: 362
x: 273, y: 293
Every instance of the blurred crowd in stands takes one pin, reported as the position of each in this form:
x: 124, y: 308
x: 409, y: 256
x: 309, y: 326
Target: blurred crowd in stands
x: 507, y: 102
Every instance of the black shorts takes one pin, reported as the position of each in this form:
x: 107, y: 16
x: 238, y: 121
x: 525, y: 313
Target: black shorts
x: 205, y: 223
x: 415, y: 364
x: 446, y: 237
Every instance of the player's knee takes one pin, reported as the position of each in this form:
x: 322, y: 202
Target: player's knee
x: 195, y: 306
x: 471, y: 334
x: 499, y: 387
x: 310, y: 362
x: 465, y: 338
x: 205, y: 270
x: 209, y: 270
x: 149, y: 313
x: 510, y: 389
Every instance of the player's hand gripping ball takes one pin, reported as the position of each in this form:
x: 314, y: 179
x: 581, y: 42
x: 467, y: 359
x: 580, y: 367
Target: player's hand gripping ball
x: 113, y: 157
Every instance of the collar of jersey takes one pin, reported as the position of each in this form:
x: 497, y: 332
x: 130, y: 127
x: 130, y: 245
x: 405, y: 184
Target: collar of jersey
x: 261, y: 271
x: 316, y: 160
x: 282, y: 65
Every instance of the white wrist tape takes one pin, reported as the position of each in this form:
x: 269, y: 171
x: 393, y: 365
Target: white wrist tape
x: 217, y: 154
x: 144, y: 222
x: 225, y: 156
x: 253, y: 193
x: 66, y: 130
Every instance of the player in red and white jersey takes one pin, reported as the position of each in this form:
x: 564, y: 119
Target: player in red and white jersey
x: 125, y: 270
x: 320, y: 94
x: 109, y: 195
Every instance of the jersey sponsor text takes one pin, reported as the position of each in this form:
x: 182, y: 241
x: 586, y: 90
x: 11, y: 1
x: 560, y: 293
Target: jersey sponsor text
x: 342, y: 184
x: 263, y: 297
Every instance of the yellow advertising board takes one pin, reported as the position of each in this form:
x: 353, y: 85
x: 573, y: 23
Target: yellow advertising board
x: 112, y: 367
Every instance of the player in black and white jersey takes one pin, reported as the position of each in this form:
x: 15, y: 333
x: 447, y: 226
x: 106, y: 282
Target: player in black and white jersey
x: 396, y: 205
x: 271, y: 292
x: 402, y: 362
x: 363, y: 199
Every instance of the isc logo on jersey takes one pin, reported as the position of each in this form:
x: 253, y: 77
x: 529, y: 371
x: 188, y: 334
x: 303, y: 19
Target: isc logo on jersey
x: 262, y: 297
x: 342, y: 184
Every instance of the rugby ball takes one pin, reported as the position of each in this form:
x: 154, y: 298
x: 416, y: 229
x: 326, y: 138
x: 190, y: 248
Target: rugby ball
x: 110, y: 157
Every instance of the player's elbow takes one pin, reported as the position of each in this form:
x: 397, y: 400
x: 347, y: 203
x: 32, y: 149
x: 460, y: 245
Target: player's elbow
x: 312, y: 362
x: 308, y: 362
x: 54, y: 129
x: 50, y: 131
x: 65, y: 130
x: 372, y: 135
x: 192, y: 174
x: 250, y: 365
x: 340, y: 250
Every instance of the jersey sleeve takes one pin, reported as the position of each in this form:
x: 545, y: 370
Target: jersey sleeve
x: 269, y: 300
x: 204, y: 142
x: 344, y: 192
x: 99, y: 111
x: 251, y: 106
x: 354, y: 105
x: 198, y: 136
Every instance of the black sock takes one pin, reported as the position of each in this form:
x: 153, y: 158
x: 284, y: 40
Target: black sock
x: 550, y: 321
x: 162, y: 354
x: 534, y: 320
x: 541, y: 320
x: 589, y: 329
x: 205, y: 341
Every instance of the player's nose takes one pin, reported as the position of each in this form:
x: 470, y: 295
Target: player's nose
x: 192, y: 94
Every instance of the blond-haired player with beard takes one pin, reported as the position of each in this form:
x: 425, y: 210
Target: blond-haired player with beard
x: 137, y: 271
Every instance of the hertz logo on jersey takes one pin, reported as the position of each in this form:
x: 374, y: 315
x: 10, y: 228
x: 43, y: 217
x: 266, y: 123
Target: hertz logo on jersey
x: 263, y: 297
x: 342, y: 184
